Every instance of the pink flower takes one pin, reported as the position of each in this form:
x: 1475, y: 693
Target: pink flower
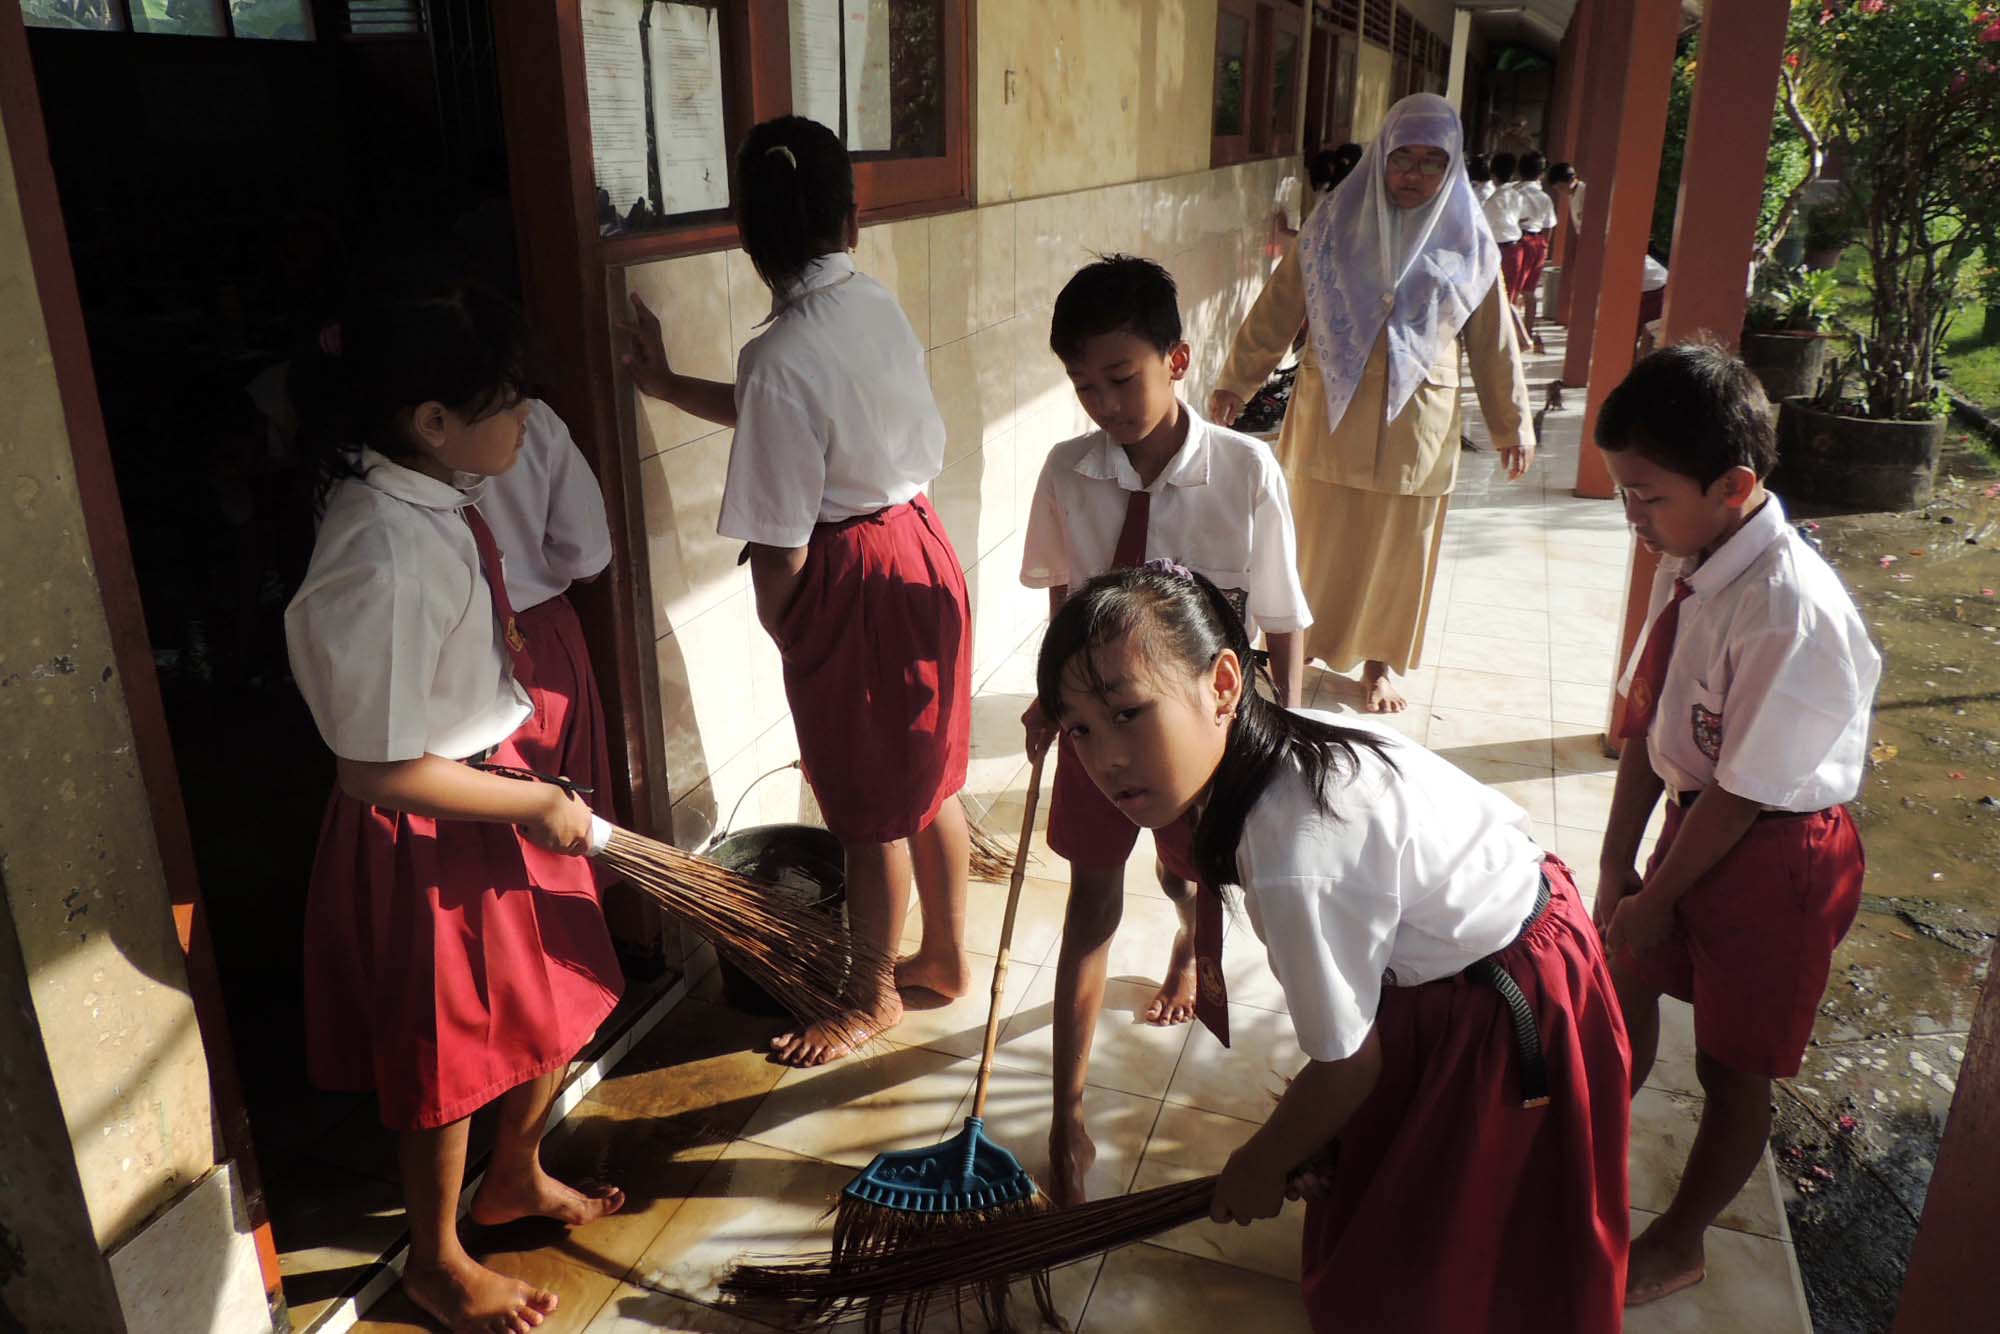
x: 1991, y: 32
x: 1873, y: 6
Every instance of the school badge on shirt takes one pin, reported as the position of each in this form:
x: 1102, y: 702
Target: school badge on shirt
x: 1707, y: 731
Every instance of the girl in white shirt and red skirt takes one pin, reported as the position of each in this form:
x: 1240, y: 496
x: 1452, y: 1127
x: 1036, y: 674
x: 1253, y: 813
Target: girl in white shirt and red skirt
x: 1459, y: 1127
x: 455, y: 954
x: 837, y: 436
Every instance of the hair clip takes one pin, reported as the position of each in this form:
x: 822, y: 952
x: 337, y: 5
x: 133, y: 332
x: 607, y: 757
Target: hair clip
x: 783, y: 152
x: 1161, y: 565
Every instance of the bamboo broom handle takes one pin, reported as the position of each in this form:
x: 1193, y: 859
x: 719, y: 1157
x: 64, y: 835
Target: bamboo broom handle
x: 1007, y: 936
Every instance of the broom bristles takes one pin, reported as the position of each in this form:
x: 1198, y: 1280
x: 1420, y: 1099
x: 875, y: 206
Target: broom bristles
x: 992, y: 856
x: 803, y: 958
x: 977, y: 1257
x: 865, y: 1234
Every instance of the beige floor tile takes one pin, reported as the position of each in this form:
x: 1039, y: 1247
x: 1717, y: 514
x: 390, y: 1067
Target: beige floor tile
x: 755, y: 1200
x: 1516, y: 589
x: 1336, y: 690
x: 1588, y: 568
x: 1018, y: 1109
x: 1037, y: 926
x: 1752, y: 1288
x: 1584, y: 629
x: 633, y: 1309
x: 958, y: 1027
x: 1579, y: 748
x: 1246, y: 968
x: 1605, y: 603
x: 1663, y: 1129
x: 1579, y: 706
x: 1160, y: 1291
x: 1493, y: 654
x: 1531, y: 787
x: 1490, y: 692
x: 1189, y: 1143
x: 1584, y: 665
x: 1480, y: 618
x: 850, y: 1111
x: 1245, y: 1079
x: 581, y: 1293
x: 1578, y: 847
x: 1127, y: 1054
x: 1468, y: 733
x: 1583, y: 801
x: 1673, y: 1066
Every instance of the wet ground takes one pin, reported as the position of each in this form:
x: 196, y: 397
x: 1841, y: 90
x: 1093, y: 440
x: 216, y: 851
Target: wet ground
x: 1858, y: 1129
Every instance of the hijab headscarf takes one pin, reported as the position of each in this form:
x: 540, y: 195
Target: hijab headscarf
x: 1418, y: 271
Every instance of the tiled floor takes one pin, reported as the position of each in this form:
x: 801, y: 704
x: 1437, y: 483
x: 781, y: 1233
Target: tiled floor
x: 724, y: 1154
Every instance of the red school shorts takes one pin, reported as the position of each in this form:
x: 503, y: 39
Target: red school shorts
x: 1533, y: 258
x: 1754, y: 939
x: 1510, y: 268
x: 1085, y: 829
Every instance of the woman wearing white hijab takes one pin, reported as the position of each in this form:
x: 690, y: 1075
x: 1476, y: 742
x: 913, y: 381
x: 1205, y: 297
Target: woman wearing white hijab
x: 1394, y: 272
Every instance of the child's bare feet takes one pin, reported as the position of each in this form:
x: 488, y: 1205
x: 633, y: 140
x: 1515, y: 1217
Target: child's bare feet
x: 1383, y: 697
x: 468, y: 1298
x: 1662, y: 1264
x: 1072, y: 1153
x: 1174, y: 1004
x: 948, y: 977
x: 831, y: 1039
x: 504, y: 1197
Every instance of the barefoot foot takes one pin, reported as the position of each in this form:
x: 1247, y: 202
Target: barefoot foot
x: 1174, y: 1004
x: 831, y: 1039
x: 1660, y: 1266
x: 1072, y: 1153
x: 468, y: 1298
x: 947, y: 977
x: 505, y: 1197
x: 1383, y: 697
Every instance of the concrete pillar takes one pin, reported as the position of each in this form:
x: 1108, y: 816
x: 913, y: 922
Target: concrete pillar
x: 1715, y: 219
x: 1601, y: 46
x: 1565, y: 133
x: 1461, y: 48
x: 1646, y: 72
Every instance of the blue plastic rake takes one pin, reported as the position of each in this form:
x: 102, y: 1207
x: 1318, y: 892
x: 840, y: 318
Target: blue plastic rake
x: 962, y: 1183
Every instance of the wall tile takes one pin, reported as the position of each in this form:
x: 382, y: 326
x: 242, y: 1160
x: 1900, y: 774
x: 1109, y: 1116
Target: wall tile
x: 749, y: 303
x: 691, y: 296
x: 898, y: 255
x: 973, y: 380
x: 701, y: 692
x: 693, y: 567
x: 972, y: 271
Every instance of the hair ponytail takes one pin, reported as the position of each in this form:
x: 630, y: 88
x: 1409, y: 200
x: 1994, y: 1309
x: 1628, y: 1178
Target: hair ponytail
x: 1183, y: 622
x: 795, y: 189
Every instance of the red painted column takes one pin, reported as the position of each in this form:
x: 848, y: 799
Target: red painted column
x: 1564, y: 135
x: 1647, y: 70
x: 1606, y: 35
x: 1715, y: 219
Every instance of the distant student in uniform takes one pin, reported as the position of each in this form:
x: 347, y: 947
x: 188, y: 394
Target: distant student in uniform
x: 837, y: 436
x: 1154, y: 480
x: 1535, y: 213
x: 1751, y: 691
x: 1462, y: 1040
x: 455, y: 954
x: 1479, y: 170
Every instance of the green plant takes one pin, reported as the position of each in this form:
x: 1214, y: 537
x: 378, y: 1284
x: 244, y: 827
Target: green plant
x: 1831, y: 226
x: 1790, y: 159
x: 1797, y: 300
x: 1911, y: 89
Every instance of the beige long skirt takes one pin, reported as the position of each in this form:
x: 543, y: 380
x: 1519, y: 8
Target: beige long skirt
x: 1368, y: 560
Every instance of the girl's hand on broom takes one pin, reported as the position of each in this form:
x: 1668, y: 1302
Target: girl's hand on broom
x: 562, y: 825
x: 1250, y: 1188
x: 1041, y: 732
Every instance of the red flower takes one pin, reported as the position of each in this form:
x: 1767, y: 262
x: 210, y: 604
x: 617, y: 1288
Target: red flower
x: 1874, y: 6
x: 1792, y: 61
x: 1991, y: 32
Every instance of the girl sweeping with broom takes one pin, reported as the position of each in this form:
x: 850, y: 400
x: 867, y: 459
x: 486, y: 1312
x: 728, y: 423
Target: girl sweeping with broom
x: 837, y: 436
x: 455, y: 954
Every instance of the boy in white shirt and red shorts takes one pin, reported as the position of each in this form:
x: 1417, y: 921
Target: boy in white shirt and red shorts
x: 1751, y: 691
x: 1154, y: 481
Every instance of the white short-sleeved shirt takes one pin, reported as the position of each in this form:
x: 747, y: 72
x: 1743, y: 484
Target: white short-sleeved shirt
x: 1220, y: 507
x: 1533, y: 208
x: 1653, y: 276
x: 546, y: 513
x: 1501, y: 215
x: 392, y: 636
x: 834, y: 413
x: 1483, y: 190
x: 1421, y: 871
x: 1772, y: 678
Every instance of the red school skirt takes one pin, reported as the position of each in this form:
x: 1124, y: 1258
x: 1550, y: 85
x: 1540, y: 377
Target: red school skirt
x: 1510, y: 268
x: 566, y: 735
x: 877, y: 646
x: 447, y: 961
x: 1532, y: 257
x: 1453, y: 1207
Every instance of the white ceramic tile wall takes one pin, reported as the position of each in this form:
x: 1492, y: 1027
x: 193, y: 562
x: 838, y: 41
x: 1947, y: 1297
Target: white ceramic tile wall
x: 978, y: 287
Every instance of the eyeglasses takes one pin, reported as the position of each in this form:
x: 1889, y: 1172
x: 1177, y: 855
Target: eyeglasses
x: 1409, y: 164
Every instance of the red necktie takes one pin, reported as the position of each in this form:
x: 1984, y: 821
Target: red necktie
x: 1651, y: 674
x: 503, y: 610
x: 1211, y: 995
x: 1131, y: 548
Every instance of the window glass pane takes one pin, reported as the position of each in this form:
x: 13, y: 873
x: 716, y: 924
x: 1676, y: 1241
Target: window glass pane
x: 279, y: 20
x: 100, y: 15
x: 1284, y: 78
x: 872, y: 71
x: 1232, y: 46
x: 653, y: 74
x: 184, y: 18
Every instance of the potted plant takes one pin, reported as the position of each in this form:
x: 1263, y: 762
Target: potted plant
x: 1829, y: 231
x: 1909, y: 90
x: 1785, y: 330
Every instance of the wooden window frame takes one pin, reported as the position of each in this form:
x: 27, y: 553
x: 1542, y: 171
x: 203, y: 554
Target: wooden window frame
x: 1264, y: 19
x: 757, y: 85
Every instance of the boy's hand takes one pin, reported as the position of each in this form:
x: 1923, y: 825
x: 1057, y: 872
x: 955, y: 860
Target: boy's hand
x: 1041, y: 732
x: 1071, y: 1155
x: 1640, y: 922
x: 1250, y: 1188
x: 1615, y: 883
x: 562, y: 826
x: 1224, y: 407
x: 646, y: 351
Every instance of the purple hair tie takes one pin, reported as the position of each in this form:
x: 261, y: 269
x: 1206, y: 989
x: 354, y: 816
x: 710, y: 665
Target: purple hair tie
x: 1163, y: 566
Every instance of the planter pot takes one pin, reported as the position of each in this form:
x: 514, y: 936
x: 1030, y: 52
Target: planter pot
x: 801, y: 863
x: 1788, y: 364
x: 1854, y: 463
x: 1826, y: 256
